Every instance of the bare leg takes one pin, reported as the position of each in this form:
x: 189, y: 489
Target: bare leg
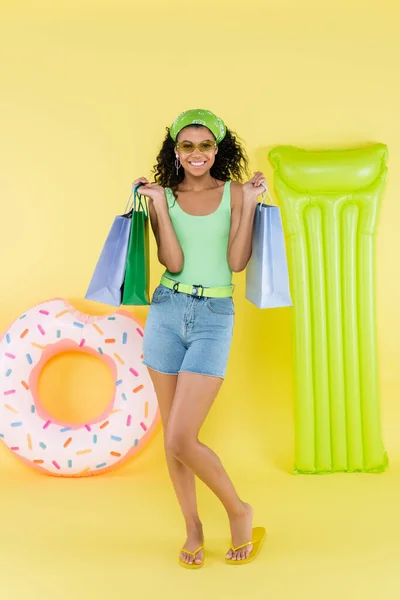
x: 182, y: 477
x: 193, y: 399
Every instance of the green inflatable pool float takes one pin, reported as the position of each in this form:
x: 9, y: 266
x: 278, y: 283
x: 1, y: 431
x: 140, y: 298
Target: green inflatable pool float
x: 329, y: 201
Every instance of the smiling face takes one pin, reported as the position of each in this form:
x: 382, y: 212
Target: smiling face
x: 196, y: 163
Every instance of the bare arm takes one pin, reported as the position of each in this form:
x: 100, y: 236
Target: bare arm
x: 241, y: 233
x: 170, y: 253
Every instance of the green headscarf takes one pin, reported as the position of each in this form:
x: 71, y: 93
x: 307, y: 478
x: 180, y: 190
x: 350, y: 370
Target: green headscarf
x: 202, y: 117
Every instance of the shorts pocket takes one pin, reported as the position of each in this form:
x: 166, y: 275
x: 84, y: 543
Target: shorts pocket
x: 161, y: 294
x: 221, y: 306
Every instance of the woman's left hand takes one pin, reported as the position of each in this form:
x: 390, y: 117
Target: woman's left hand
x: 253, y: 188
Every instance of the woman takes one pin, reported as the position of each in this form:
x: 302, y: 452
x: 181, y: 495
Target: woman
x: 202, y: 221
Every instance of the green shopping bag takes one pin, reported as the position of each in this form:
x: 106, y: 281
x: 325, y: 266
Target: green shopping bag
x: 135, y: 289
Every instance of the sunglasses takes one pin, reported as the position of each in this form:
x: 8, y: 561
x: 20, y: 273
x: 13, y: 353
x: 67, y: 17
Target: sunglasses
x: 188, y: 147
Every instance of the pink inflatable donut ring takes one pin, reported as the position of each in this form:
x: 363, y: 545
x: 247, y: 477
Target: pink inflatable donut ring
x: 65, y: 449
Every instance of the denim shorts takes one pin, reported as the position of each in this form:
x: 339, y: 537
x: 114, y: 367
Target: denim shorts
x: 188, y: 333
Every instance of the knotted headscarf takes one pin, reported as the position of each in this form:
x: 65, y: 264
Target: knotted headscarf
x: 201, y: 117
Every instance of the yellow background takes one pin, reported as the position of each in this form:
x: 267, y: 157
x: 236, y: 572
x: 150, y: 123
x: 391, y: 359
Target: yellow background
x: 87, y: 89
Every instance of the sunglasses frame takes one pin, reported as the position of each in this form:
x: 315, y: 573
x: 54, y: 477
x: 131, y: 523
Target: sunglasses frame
x: 178, y: 147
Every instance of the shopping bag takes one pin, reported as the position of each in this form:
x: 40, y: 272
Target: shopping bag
x: 267, y: 278
x: 107, y: 280
x: 137, y: 274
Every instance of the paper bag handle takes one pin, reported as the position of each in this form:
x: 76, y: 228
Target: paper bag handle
x: 265, y: 186
x: 137, y: 202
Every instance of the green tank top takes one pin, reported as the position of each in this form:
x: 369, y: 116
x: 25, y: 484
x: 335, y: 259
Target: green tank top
x: 204, y: 241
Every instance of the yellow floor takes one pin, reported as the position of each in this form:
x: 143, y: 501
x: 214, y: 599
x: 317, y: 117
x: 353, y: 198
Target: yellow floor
x: 118, y: 535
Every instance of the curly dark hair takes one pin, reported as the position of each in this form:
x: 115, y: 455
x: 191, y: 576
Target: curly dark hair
x: 231, y: 161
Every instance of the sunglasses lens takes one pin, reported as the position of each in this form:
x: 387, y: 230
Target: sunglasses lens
x: 186, y: 146
x: 206, y: 146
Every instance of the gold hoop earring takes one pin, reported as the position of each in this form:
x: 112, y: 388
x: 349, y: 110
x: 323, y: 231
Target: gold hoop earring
x: 177, y: 164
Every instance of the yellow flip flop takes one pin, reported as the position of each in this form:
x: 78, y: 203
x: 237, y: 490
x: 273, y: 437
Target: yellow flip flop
x: 258, y: 537
x: 193, y: 565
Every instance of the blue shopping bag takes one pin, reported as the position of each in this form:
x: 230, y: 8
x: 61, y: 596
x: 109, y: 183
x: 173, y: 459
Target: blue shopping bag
x: 108, y: 277
x: 267, y: 277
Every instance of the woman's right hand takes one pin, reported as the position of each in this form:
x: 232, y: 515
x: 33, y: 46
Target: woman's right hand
x: 154, y: 191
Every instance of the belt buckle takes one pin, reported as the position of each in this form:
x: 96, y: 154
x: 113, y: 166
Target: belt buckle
x: 195, y: 291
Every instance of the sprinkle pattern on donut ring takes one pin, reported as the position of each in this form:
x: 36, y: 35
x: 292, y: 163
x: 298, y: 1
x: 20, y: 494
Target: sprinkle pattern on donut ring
x: 60, y: 448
